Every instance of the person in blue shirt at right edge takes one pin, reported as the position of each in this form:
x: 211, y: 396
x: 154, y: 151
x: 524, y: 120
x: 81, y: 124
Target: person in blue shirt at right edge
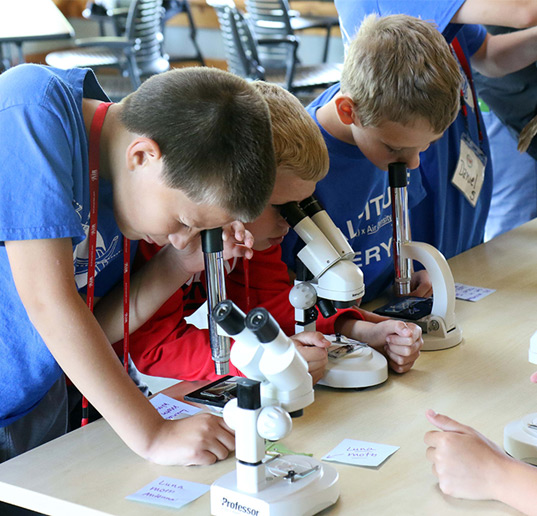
x: 453, y: 216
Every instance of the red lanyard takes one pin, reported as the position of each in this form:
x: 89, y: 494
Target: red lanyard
x: 468, y: 71
x: 94, y: 153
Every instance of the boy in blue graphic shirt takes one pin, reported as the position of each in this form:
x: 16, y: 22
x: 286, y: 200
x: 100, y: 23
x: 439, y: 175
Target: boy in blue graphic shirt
x: 191, y: 149
x: 376, y: 116
x: 457, y: 170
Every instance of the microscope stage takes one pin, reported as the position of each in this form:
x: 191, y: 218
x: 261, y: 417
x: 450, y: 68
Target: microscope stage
x: 353, y: 365
x: 520, y: 439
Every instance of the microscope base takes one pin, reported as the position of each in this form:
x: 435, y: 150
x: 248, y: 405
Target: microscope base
x: 362, y: 367
x: 520, y: 441
x: 305, y: 495
x: 436, y: 337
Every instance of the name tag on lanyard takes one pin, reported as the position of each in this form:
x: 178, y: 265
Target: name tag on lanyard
x: 470, y: 172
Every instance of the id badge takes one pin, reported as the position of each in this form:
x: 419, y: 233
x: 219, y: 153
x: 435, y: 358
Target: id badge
x: 470, y: 172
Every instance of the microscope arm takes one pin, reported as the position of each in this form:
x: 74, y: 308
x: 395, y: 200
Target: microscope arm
x: 441, y: 278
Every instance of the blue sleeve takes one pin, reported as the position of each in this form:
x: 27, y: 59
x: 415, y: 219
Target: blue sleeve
x: 36, y: 190
x: 474, y: 35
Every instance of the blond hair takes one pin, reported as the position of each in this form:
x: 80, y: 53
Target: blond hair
x: 399, y: 68
x: 298, y: 143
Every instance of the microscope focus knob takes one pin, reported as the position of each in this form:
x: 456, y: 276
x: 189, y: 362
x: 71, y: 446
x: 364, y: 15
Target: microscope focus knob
x: 303, y: 296
x: 230, y: 413
x: 274, y: 423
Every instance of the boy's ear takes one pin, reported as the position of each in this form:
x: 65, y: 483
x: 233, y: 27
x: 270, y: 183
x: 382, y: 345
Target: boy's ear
x: 345, y: 110
x: 141, y: 150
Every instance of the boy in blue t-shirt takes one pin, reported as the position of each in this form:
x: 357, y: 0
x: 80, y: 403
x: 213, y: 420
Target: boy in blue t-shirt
x: 399, y: 92
x: 191, y: 149
x: 453, y: 215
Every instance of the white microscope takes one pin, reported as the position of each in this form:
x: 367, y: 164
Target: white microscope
x: 520, y: 436
x: 278, y: 381
x: 328, y: 278
x: 438, y: 323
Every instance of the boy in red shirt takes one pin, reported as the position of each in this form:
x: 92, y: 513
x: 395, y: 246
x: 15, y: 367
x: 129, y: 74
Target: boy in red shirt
x: 170, y: 347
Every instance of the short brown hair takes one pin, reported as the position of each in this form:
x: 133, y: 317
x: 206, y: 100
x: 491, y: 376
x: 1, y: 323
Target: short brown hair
x: 213, y: 129
x: 298, y: 143
x: 399, y: 68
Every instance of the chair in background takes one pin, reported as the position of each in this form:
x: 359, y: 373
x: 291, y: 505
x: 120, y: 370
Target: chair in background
x: 114, y: 12
x: 274, y: 18
x: 174, y: 7
x: 138, y: 53
x: 242, y: 54
x: 108, y: 13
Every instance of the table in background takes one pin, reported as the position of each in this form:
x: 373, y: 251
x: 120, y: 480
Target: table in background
x: 30, y: 20
x: 484, y: 382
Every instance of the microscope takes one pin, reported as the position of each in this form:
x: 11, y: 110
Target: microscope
x: 436, y: 315
x: 520, y: 436
x: 278, y: 382
x: 327, y: 278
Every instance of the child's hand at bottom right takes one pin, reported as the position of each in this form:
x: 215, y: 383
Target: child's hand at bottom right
x: 467, y: 464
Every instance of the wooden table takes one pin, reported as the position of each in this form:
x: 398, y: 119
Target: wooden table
x: 31, y: 20
x: 483, y: 382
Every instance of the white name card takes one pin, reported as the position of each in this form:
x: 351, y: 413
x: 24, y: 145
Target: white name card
x: 360, y: 453
x: 170, y: 492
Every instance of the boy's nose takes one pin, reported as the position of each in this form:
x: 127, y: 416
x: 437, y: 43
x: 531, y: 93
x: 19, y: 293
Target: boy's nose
x: 180, y: 241
x: 413, y: 161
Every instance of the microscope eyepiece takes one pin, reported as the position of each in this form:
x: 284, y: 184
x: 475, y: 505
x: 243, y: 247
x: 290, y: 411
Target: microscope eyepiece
x: 397, y: 173
x: 211, y: 240
x: 222, y: 310
x: 311, y: 205
x: 292, y: 213
x: 229, y: 317
x: 262, y: 324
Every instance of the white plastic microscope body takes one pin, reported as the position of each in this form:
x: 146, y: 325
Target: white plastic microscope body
x: 282, y: 371
x: 252, y: 426
x: 440, y: 329
x: 520, y: 436
x: 280, y: 486
x: 329, y: 258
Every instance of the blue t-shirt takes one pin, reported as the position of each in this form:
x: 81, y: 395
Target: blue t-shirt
x: 44, y: 193
x: 356, y: 195
x: 445, y: 219
x: 352, y: 12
